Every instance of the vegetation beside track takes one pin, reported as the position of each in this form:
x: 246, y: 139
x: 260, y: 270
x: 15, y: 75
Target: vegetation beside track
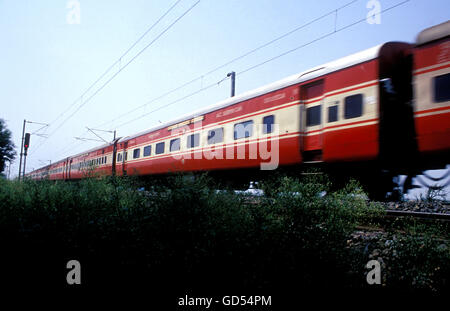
x: 184, y: 234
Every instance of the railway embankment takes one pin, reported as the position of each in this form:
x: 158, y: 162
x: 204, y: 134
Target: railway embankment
x: 184, y: 234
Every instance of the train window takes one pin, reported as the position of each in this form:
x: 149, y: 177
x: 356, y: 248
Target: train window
x: 147, y: 151
x: 332, y: 113
x: 243, y: 129
x: 313, y: 115
x: 106, y: 159
x: 353, y: 106
x: 175, y: 144
x: 119, y: 157
x: 268, y: 122
x: 193, y: 140
x: 159, y: 148
x: 215, y: 136
x: 136, y: 153
x: 441, y: 88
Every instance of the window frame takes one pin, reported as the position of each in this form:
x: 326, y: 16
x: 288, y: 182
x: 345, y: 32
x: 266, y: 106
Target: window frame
x: 149, y: 149
x: 308, y: 118
x: 346, y: 103
x: 163, y: 148
x: 136, y: 155
x: 172, y: 141
x: 442, y: 87
x: 251, y: 122
x: 221, y: 130
x: 265, y: 128
x: 189, y: 141
x: 330, y: 106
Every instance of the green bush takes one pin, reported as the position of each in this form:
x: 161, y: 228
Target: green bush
x: 183, y: 233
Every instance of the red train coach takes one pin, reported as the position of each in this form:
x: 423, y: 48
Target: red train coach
x: 329, y: 113
x: 357, y: 109
x: 432, y: 89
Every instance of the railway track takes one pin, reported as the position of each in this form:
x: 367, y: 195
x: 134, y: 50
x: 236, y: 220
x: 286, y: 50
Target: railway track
x: 422, y: 210
x: 423, y: 215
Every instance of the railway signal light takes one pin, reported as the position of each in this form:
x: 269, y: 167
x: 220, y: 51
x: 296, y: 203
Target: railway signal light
x: 26, y: 143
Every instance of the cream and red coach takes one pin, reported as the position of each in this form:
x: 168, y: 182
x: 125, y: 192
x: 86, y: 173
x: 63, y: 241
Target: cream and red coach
x: 357, y: 109
x: 432, y: 90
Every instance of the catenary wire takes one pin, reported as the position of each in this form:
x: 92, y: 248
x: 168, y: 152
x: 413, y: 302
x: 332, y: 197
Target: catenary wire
x: 118, y: 60
x: 228, y: 63
x: 260, y: 64
x: 265, y: 62
x: 120, y: 70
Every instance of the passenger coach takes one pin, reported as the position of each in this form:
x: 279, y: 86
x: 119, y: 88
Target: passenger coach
x: 384, y: 109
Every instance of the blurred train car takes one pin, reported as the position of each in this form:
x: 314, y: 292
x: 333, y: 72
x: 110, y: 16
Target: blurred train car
x: 385, y: 109
x: 432, y: 90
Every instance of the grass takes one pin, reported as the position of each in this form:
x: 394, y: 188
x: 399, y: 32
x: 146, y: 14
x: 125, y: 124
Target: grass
x: 183, y: 234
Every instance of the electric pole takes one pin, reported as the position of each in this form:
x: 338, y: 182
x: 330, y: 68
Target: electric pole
x: 23, y: 143
x: 233, y: 81
x: 21, y: 147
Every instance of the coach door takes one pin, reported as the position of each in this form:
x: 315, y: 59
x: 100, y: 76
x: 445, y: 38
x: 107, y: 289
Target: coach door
x: 124, y: 158
x: 69, y: 168
x: 311, y: 123
x: 66, y: 169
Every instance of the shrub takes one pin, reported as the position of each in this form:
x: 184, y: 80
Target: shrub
x: 182, y: 233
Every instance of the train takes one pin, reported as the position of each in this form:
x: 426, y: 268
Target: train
x: 378, y: 113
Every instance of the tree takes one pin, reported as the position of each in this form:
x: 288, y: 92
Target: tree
x: 7, y: 152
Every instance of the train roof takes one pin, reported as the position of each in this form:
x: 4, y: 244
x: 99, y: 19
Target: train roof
x: 341, y: 63
x: 434, y: 33
x: 92, y: 149
x: 309, y: 74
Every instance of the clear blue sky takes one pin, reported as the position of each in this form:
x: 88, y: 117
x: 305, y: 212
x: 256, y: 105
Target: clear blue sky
x: 47, y: 63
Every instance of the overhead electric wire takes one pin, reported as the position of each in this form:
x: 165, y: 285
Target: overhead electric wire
x: 260, y: 64
x: 126, y: 65
x: 118, y: 60
x: 222, y: 66
x: 214, y: 69
x: 169, y: 104
x: 318, y: 39
x: 231, y: 61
